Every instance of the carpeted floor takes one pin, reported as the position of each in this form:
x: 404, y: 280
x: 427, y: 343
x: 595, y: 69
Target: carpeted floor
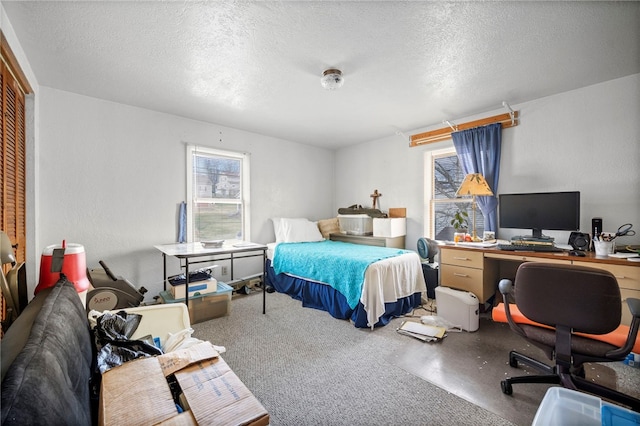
x: 308, y: 368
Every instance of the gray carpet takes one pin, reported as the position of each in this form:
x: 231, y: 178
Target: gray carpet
x: 308, y: 368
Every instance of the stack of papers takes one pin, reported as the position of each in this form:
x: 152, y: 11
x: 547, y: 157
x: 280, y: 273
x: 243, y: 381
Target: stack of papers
x: 482, y: 244
x: 623, y: 255
x: 426, y: 333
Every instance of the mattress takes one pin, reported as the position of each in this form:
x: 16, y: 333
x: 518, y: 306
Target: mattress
x: 386, y: 282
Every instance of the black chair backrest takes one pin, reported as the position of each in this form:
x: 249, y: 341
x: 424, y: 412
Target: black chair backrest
x: 584, y: 299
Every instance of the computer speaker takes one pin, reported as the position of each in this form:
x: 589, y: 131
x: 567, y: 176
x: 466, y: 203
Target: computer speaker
x: 579, y: 241
x: 596, y: 226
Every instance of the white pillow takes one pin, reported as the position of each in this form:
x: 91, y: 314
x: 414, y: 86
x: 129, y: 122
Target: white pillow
x: 296, y: 230
x: 277, y: 229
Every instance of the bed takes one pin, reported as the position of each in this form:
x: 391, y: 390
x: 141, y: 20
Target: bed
x: 367, y: 285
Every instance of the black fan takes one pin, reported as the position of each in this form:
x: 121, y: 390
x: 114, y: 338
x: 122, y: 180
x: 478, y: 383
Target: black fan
x: 427, y: 249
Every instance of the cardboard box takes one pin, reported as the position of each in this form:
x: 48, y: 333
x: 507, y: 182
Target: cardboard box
x: 392, y: 227
x: 205, y: 306
x: 196, y: 288
x: 137, y: 392
x: 398, y: 212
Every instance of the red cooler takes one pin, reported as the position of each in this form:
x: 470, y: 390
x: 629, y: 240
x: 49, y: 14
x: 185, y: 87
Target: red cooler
x: 74, y: 267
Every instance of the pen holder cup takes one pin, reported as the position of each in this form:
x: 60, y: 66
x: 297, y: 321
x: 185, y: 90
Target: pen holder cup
x: 604, y: 248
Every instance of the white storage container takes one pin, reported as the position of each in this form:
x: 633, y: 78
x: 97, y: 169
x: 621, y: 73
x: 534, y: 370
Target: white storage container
x: 561, y: 406
x: 355, y: 224
x: 159, y: 320
x: 389, y: 227
x: 461, y: 308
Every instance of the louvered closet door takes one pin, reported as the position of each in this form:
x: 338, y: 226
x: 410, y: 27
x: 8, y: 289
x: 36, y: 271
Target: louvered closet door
x: 13, y: 164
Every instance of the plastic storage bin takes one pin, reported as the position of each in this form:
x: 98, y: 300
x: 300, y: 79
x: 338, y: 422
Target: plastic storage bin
x: 356, y: 224
x: 562, y: 406
x: 207, y: 306
x: 159, y: 320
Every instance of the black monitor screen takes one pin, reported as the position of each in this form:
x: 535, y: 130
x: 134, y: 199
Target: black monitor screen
x: 559, y: 211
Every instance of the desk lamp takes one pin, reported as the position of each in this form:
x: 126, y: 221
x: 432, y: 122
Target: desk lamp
x: 474, y: 184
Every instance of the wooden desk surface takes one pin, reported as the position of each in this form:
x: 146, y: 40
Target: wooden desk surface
x: 478, y: 269
x: 590, y: 257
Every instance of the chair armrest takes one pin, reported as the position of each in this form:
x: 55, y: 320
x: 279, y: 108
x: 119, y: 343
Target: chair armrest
x: 506, y: 288
x: 634, y: 307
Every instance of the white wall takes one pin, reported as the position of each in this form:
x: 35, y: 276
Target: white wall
x: 112, y: 176
x: 586, y: 140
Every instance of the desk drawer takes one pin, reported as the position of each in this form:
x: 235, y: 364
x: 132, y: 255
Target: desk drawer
x: 522, y: 257
x: 460, y: 278
x: 471, y: 259
x: 628, y: 276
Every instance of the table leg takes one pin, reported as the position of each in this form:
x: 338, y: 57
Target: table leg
x: 164, y: 269
x: 186, y: 282
x: 264, y: 282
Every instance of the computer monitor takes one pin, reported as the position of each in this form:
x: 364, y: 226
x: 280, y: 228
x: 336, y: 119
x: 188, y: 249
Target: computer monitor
x: 553, y: 211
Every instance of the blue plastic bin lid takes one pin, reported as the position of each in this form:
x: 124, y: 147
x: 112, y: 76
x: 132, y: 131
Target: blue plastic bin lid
x: 613, y: 415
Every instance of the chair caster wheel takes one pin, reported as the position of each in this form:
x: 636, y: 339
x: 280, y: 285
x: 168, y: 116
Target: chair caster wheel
x: 513, y: 362
x: 507, y: 389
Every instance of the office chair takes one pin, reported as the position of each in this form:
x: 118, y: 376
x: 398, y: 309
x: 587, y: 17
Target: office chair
x: 564, y: 300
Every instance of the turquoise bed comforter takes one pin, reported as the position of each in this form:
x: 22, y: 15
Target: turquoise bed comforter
x: 340, y: 265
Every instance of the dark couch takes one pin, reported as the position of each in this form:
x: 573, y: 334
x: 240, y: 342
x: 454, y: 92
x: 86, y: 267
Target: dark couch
x: 47, y: 362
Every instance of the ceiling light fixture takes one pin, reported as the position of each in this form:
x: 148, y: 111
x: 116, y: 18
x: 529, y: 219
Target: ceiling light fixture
x: 332, y: 79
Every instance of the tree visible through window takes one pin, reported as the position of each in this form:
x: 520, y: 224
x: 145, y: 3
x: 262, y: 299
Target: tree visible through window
x: 444, y: 176
x: 217, y: 187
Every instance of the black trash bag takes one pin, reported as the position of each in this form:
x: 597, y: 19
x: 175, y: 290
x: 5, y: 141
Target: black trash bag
x: 117, y: 326
x: 113, y: 346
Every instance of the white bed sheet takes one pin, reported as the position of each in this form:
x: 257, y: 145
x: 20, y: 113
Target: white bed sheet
x: 385, y: 281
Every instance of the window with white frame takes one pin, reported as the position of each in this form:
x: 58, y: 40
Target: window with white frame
x: 217, y: 194
x: 443, y: 176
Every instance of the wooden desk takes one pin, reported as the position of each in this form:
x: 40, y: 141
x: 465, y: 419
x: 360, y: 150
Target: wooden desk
x: 479, y: 270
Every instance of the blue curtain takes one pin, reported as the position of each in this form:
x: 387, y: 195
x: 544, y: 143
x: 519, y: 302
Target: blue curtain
x: 479, y: 152
x: 182, y: 223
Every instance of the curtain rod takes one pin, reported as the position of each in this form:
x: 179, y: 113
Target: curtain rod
x: 509, y: 119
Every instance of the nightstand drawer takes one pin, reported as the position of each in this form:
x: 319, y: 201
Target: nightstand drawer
x: 461, y: 278
x: 470, y: 259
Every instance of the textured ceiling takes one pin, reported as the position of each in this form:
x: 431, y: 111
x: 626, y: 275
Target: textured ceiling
x: 256, y: 65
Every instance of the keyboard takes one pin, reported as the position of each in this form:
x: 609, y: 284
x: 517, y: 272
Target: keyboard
x: 522, y: 247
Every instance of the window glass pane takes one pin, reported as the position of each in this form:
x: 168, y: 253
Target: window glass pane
x: 219, y: 194
x: 443, y: 214
x: 447, y: 176
x: 217, y: 221
x: 217, y: 177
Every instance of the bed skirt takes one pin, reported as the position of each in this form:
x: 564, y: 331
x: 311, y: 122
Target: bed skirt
x: 326, y: 298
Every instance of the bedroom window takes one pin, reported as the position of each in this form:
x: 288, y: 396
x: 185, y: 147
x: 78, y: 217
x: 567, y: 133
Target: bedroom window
x: 218, y: 194
x: 443, y: 176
